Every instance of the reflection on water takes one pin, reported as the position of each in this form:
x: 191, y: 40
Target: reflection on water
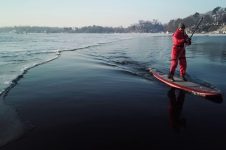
x: 176, y: 101
x: 215, y: 99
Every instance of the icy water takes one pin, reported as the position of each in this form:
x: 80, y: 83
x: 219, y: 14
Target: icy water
x: 122, y: 56
x: 20, y: 52
x: 134, y: 52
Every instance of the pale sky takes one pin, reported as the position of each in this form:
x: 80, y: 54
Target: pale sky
x: 62, y: 13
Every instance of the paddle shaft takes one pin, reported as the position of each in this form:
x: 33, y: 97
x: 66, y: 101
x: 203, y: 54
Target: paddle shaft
x: 197, y: 26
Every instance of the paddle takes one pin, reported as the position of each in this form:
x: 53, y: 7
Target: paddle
x: 197, y: 26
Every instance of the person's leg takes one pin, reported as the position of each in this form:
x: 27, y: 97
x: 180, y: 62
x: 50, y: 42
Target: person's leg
x: 183, y: 67
x: 173, y: 64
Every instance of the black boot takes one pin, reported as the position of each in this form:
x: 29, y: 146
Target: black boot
x: 170, y: 76
x: 183, y: 78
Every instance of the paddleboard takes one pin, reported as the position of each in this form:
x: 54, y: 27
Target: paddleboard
x: 195, y: 88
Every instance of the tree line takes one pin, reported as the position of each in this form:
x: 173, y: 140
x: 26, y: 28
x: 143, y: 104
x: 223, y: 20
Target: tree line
x: 212, y: 21
x: 142, y: 26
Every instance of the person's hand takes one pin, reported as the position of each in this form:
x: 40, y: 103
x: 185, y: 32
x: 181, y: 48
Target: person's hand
x: 188, y: 41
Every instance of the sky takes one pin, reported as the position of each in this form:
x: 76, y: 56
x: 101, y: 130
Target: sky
x: 77, y: 13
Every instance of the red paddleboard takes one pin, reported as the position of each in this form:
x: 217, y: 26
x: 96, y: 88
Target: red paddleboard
x: 188, y: 86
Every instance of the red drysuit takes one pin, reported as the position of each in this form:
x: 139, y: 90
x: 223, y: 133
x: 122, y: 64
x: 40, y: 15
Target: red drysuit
x: 178, y: 52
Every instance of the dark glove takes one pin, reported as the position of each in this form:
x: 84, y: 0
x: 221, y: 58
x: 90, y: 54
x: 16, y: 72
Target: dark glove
x: 188, y: 41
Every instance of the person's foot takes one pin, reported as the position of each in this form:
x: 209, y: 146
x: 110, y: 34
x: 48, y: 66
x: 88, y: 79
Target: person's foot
x: 184, y: 79
x: 170, y: 76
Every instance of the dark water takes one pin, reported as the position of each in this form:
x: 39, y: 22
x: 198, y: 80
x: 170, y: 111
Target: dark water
x: 192, y: 121
x: 206, y: 57
x: 103, y: 97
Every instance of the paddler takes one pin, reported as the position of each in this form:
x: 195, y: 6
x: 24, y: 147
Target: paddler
x: 180, y: 39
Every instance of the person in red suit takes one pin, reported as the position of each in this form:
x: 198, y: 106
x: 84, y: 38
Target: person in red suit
x: 180, y: 40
